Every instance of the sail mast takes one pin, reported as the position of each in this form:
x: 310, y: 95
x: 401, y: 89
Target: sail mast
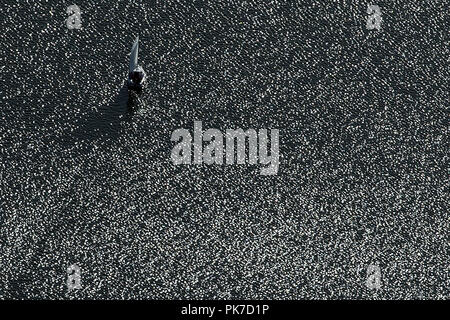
x: 134, y: 54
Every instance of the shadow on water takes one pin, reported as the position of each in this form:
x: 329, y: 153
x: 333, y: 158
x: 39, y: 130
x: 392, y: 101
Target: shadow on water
x: 134, y: 103
x: 107, y: 122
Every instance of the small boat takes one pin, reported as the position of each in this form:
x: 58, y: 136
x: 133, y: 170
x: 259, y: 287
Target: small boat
x: 136, y: 75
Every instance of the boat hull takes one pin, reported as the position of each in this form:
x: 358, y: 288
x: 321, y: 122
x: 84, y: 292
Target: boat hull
x: 136, y: 86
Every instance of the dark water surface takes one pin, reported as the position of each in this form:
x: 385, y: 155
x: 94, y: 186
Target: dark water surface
x: 86, y: 175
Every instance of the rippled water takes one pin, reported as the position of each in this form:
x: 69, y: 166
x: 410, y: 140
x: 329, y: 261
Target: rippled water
x: 86, y: 176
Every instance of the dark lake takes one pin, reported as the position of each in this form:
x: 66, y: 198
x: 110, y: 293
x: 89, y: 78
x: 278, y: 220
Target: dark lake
x: 86, y: 175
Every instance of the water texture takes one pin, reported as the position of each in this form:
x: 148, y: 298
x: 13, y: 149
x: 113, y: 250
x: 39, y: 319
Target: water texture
x: 86, y: 176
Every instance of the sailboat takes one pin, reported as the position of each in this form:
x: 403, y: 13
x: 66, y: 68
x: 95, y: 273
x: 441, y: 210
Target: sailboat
x: 136, y: 75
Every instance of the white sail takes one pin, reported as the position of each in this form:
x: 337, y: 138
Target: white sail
x: 134, y: 54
